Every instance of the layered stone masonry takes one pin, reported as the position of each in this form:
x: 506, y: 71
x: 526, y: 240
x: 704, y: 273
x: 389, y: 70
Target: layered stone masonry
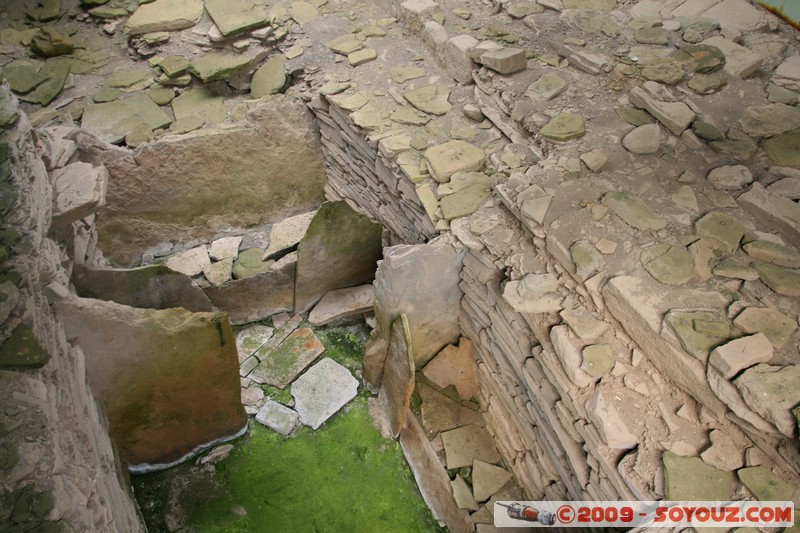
x: 59, y: 467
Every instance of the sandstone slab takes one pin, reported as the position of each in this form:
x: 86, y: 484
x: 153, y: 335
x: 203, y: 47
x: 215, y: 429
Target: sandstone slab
x: 270, y: 78
x: 446, y: 159
x: 739, y: 61
x: 79, y: 191
x: 464, y: 445
x: 256, y: 297
x: 440, y: 413
x: 286, y: 234
x: 504, y: 60
x: 278, y: 417
x: 164, y: 15
x: 397, y: 383
x: 431, y: 99
x: 236, y: 16
x: 146, y: 367
x: 455, y: 365
x: 283, y: 364
x: 633, y: 211
x: 772, y: 392
x: 535, y: 293
x: 487, y: 479
x: 189, y: 262
x: 342, y: 303
x: 458, y: 62
x: 112, y: 121
x: 322, y: 391
x: 564, y: 127
x: 614, y: 430
x: 787, y: 74
x: 659, y: 102
x: 738, y: 354
x: 689, y: 478
x: 776, y: 326
x: 341, y: 248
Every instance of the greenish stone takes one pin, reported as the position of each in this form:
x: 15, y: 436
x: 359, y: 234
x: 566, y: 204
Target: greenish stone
x: 431, y: 99
x: 738, y: 145
x: 765, y: 485
x: 156, y: 37
x: 776, y: 326
x: 409, y: 117
x: 784, y: 149
x: 270, y: 78
x: 706, y: 130
x: 781, y: 95
x: 42, y: 504
x: 598, y: 360
x: 652, y: 35
x: 689, y: 478
x: 112, y: 121
x: 468, y: 199
x: 633, y: 211
x: 781, y: 280
x: 548, y: 86
x: 731, y: 268
x: 23, y: 350
x: 23, y: 75
x: 702, y: 58
x: 5, y: 153
x: 187, y: 124
x: 699, y: 332
x: 236, y: 16
x: 666, y: 71
x: 78, y: 66
x: 56, y: 72
x: 93, y: 2
x: 125, y: 77
x: 8, y: 111
x: 8, y: 197
x: 724, y: 230
x: 668, y: 264
x: 8, y: 456
x: 706, y: 84
x: 368, y: 118
x: 586, y: 258
x: 634, y: 116
x: 50, y: 42
x: 401, y: 75
x: 161, y: 95
x: 350, y: 102
x: 45, y: 10
x: 249, y: 263
x: 345, y: 44
x: 108, y: 12
x: 523, y: 9
x: 140, y: 134
x: 174, y: 66
x: 773, y: 252
x: 594, y: 23
x: 106, y: 94
x: 218, y: 65
x: 180, y: 81
x: 566, y: 126
x: 201, y: 103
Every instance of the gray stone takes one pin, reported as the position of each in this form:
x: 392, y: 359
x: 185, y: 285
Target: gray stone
x: 50, y: 42
x: 127, y: 351
x: 286, y: 234
x: 781, y: 95
x: 79, y: 190
x: 469, y: 198
x: 770, y: 119
x: 303, y: 12
x: 675, y: 116
x: 446, y: 159
x: 423, y: 282
x: 342, y: 303
x: 219, y: 273
x: 431, y: 99
x: 150, y: 287
x: 788, y: 187
x: 440, y: 413
x: 9, y: 298
x: 730, y: 177
x: 724, y: 453
x: 787, y: 74
x: 689, y: 478
x: 776, y: 326
x: 635, y: 117
x: 522, y: 9
x: 487, y: 479
x: 403, y: 74
x: 251, y: 338
x: 112, y: 121
x: 781, y: 280
x: 721, y: 229
x: 737, y: 17
x: 463, y: 494
x: 739, y: 61
x: 535, y: 293
x: 322, y: 391
x: 281, y: 365
x: 569, y: 354
x: 784, y: 149
x: 707, y: 131
x: 564, y: 127
x: 643, y: 140
x: 738, y: 144
x: 340, y: 249
x: 667, y: 71
x: 548, y: 86
x: 225, y: 248
x: 236, y: 16
x: 731, y: 268
x: 654, y: 35
x: 772, y: 392
x: 164, y: 15
x: 278, y: 417
x: 397, y: 382
x: 256, y: 297
x: 189, y: 262
x: 270, y: 78
x: 583, y: 324
x: 736, y: 355
x: 633, y: 211
x: 701, y: 58
x: 464, y: 445
x: 706, y: 84
x: 586, y: 258
x: 345, y: 45
x: 594, y: 160
x: 505, y: 60
x: 359, y: 57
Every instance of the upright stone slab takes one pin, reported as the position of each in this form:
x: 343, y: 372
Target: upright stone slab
x: 397, y: 384
x: 340, y: 249
x: 174, y: 188
x: 168, y: 380
x: 154, y: 287
x: 422, y: 282
x: 281, y: 365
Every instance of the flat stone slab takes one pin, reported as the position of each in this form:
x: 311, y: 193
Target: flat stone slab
x: 280, y: 366
x: 633, y: 211
x: 455, y: 365
x: 731, y: 357
x: 535, y: 293
x: 80, y: 190
x: 772, y: 392
x: 287, y: 233
x: 431, y: 99
x: 251, y: 338
x: 446, y: 159
x: 487, y: 479
x: 112, y: 121
x: 342, y: 303
x: 278, y: 417
x: 689, y: 478
x: 236, y: 16
x: 464, y: 445
x: 775, y: 325
x: 164, y: 15
x: 218, y: 65
x: 397, y: 384
x: 322, y: 391
x: 270, y: 78
x: 189, y: 262
x: 739, y: 61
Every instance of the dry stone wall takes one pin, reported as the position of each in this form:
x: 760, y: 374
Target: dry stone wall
x: 58, y: 465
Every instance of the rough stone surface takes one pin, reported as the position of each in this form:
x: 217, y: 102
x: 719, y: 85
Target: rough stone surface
x: 739, y: 61
x: 154, y: 362
x: 611, y: 426
x: 340, y: 249
x: 634, y: 211
x: 466, y: 444
x: 689, y: 478
x: 154, y: 287
x: 431, y: 99
x: 397, y: 383
x: 505, y: 60
x: 164, y: 15
x: 256, y: 297
x: 765, y: 485
x: 446, y: 159
x: 455, y: 365
x: 270, y: 78
x: 730, y: 177
x: 112, y: 121
x: 776, y: 326
x: 738, y: 354
x: 487, y: 479
x: 535, y: 293
x: 772, y: 392
x: 287, y: 234
x: 654, y: 98
x: 281, y: 365
x: 80, y: 191
x: 342, y: 303
x: 566, y: 126
x: 322, y: 391
x: 788, y: 73
x: 277, y: 417
x: 643, y: 140
x: 189, y: 262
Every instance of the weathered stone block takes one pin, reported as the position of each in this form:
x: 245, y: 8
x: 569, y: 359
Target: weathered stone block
x: 457, y: 58
x: 256, y: 297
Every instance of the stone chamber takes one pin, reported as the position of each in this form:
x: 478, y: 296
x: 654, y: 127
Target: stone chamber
x: 573, y: 226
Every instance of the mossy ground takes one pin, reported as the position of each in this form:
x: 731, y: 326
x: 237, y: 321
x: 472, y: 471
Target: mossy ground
x: 342, y: 477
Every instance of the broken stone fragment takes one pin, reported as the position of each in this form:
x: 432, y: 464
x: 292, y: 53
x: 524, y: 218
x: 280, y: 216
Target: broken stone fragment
x: 278, y: 417
x: 656, y: 99
x: 772, y: 392
x: 633, y: 211
x: 783, y: 149
x: 700, y: 331
x: 774, y: 253
x: 722, y: 230
x: 446, y: 159
x: 269, y: 78
x: 736, y: 355
x: 689, y: 478
x: 547, y: 87
x: 535, y: 293
x: 613, y: 429
x: 342, y: 303
x: 730, y: 177
x: 731, y: 268
x: 303, y: 12
x: 770, y: 120
x: 23, y: 350
x: 586, y: 259
x: 190, y: 262
x: 706, y: 84
x: 431, y: 99
x: 466, y: 444
x: 112, y: 121
x: 359, y: 57
x: 670, y: 264
x: 49, y: 42
x: 215, y: 66
x: 707, y: 131
x: 281, y: 365
x: 458, y: 62
x: 787, y: 74
x: 322, y: 391
x: 594, y: 160
x: 455, y: 365
x: 598, y: 360
x: 236, y: 16
x: 765, y: 485
x: 505, y: 60
x: 79, y: 191
x: 781, y: 280
x: 564, y: 127
x: 723, y: 453
x: 776, y: 326
x: 397, y: 383
x: 739, y: 61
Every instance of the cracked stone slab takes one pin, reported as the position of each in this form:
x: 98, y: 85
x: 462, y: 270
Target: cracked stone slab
x: 699, y: 331
x: 283, y: 364
x: 342, y: 303
x: 322, y: 392
x: 464, y: 445
x: 112, y: 121
x: 278, y: 417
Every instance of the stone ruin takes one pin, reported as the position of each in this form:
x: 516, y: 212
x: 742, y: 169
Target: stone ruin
x: 587, y: 246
